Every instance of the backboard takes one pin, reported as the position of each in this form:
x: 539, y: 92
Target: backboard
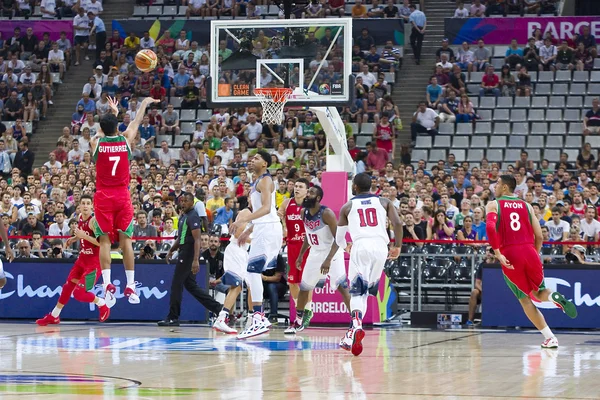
x: 311, y: 56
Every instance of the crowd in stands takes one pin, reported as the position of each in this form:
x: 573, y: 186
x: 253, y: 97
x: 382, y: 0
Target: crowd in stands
x: 487, y: 8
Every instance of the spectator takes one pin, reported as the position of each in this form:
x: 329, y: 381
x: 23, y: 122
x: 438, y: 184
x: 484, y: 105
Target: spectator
x: 170, y: 122
x: 376, y: 10
x: 591, y: 121
x: 99, y: 29
x: 445, y: 49
x: 314, y: 9
x: 444, y: 63
x: 531, y: 56
x: 359, y: 11
x: 514, y: 55
x: 335, y: 7
x: 434, y: 94
x: 495, y: 7
x: 524, y: 85
x: 418, y: 21
x: 449, y: 108
x: 461, y: 11
x: 457, y: 82
x: 588, y: 40
x: 466, y: 112
x: 81, y: 25
x: 391, y: 11
x: 565, y: 57
x: 477, y: 9
x: 56, y: 60
x: 425, y: 120
x: 165, y: 156
x: 465, y: 58
x: 515, y: 7
x: 365, y: 41
x: 253, y: 130
x: 377, y: 158
x: 507, y: 82
x: 142, y: 228
x: 583, y: 58
x: 13, y: 108
x: 490, y: 83
x: 548, y: 54
x: 547, y: 7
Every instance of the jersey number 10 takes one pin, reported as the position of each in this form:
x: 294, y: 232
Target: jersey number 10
x: 368, y: 217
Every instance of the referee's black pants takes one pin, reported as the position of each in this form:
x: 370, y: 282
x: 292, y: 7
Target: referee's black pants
x: 416, y: 42
x: 100, y: 43
x: 183, y: 277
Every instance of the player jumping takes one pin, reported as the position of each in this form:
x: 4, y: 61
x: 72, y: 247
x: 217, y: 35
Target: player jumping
x: 114, y: 212
x: 325, y: 258
x: 365, y: 217
x: 264, y: 223
x: 289, y: 212
x: 10, y: 256
x: 516, y: 238
x: 85, y: 272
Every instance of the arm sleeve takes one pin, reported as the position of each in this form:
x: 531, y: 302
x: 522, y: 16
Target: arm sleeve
x: 340, y: 236
x: 490, y: 229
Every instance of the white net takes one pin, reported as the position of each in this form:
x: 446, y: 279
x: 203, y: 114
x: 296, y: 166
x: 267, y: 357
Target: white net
x: 273, y: 101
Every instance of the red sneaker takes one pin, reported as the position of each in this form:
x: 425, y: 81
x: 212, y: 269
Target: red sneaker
x: 358, y: 337
x: 48, y: 320
x: 104, y: 313
x: 131, y: 295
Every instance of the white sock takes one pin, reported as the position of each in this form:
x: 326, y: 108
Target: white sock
x: 547, y: 333
x: 130, y: 277
x: 223, y: 314
x: 106, y: 276
x: 100, y: 302
x: 308, y: 306
x: 56, y: 312
x: 1, y: 267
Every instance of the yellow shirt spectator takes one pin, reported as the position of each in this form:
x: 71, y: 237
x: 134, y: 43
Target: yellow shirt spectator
x: 214, y: 204
x: 280, y: 197
x: 359, y: 11
x: 131, y: 42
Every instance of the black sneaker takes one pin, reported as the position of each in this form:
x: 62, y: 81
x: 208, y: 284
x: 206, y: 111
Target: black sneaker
x: 168, y: 322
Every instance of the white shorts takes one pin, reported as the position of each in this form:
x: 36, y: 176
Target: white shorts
x: 2, y: 274
x: 265, y: 247
x: 367, y: 259
x: 312, y: 270
x: 235, y: 262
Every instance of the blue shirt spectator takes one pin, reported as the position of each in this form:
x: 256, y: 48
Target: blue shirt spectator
x: 89, y: 106
x: 434, y: 92
x: 181, y: 79
x: 147, y: 131
x: 418, y: 17
x: 223, y: 216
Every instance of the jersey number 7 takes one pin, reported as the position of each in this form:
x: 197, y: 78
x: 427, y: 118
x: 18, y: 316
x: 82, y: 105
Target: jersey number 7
x: 116, y: 160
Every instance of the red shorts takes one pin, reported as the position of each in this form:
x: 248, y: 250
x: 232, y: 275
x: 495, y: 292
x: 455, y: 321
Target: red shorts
x: 295, y: 274
x: 87, y: 270
x: 113, y: 211
x: 528, y: 272
x: 385, y: 145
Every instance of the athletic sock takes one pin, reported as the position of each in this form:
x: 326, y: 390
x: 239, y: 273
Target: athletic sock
x: 547, y: 333
x: 299, y: 315
x: 100, y: 302
x: 224, y: 312
x: 257, y: 309
x: 106, y: 276
x: 308, y: 306
x: 56, y: 312
x: 130, y: 277
x: 357, y: 319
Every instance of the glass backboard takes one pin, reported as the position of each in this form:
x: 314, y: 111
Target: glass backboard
x: 311, y: 56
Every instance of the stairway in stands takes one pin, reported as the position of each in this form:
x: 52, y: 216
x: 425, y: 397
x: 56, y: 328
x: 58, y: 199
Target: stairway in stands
x: 69, y: 92
x: 413, y: 78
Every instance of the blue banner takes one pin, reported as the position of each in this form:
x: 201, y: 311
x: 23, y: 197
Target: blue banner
x: 33, y: 289
x: 577, y: 283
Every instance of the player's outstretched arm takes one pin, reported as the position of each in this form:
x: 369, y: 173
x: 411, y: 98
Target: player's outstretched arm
x: 132, y: 129
x: 394, y: 218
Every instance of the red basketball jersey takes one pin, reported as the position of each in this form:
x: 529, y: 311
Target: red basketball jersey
x: 514, y: 222
x: 112, y: 157
x: 86, y: 248
x: 293, y: 223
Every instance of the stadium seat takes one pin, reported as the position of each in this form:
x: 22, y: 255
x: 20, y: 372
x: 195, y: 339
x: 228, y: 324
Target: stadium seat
x: 442, y: 141
x: 519, y: 128
x: 575, y: 128
x: 28, y: 127
x: 557, y: 102
x: 460, y: 154
x: 595, y: 76
x: 587, y: 101
x: 479, y: 142
x: 494, y: 155
x: 582, y: 76
x: 554, y: 142
x: 575, y: 102
x: 154, y: 11
x: 563, y: 76
x: 552, y: 155
x: 182, y: 11
x: 204, y: 115
x: 554, y: 115
x: 539, y: 128
x: 187, y: 127
x: 533, y: 75
x: 420, y: 154
x: 545, y: 77
x: 473, y: 87
x: 572, y: 115
x: 543, y: 89
x: 558, y: 128
x: 572, y: 153
x: 460, y: 142
x: 537, y: 115
x: 512, y: 154
x: 517, y: 115
x: 180, y: 139
x: 573, y: 141
x: 175, y: 101
x: 423, y: 142
x: 362, y: 140
x: 166, y: 138
x: 560, y: 89
x: 483, y: 128
x: 516, y: 142
x: 502, y: 114
x: 446, y: 129
x: 485, y: 115
x: 534, y: 154
x: 577, y: 89
x: 464, y: 129
x: 487, y: 103
x: 474, y: 155
x: 476, y: 77
x: 593, y: 89
x: 522, y: 102
x: 504, y: 102
x: 474, y: 101
x: 497, y: 142
x: 597, y: 63
x: 539, y: 102
x: 169, y: 11
x: 187, y: 115
x: 498, y: 63
x: 437, y: 154
x: 535, y: 142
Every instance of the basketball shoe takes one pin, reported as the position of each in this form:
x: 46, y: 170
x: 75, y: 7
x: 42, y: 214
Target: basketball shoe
x: 561, y: 302
x: 132, y: 295
x: 222, y: 324
x: 257, y: 326
x: 104, y: 313
x: 295, y: 327
x: 109, y: 295
x: 308, y: 314
x: 48, y: 320
x: 346, y: 342
x: 551, y: 343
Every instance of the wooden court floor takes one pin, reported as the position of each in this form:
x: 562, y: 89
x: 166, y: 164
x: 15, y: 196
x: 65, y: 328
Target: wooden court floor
x: 142, y: 361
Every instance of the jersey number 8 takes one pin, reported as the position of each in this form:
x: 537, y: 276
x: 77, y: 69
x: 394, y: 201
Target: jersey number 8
x: 515, y: 223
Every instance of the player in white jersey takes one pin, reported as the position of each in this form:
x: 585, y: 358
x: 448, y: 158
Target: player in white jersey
x: 265, y: 226
x: 235, y: 261
x: 365, y: 217
x: 326, y: 258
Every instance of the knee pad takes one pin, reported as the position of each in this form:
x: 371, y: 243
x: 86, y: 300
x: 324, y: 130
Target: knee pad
x: 359, y: 286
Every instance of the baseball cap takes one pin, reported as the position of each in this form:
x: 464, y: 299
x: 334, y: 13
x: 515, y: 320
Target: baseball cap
x: 99, y: 67
x: 579, y: 248
x: 198, y: 122
x: 445, y: 40
x: 560, y: 203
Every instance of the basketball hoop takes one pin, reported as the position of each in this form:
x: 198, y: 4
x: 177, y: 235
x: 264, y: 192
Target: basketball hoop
x: 273, y: 101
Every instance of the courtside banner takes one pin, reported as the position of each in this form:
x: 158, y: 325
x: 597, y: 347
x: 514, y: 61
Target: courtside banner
x: 578, y: 283
x: 34, y: 286
x: 503, y: 30
x: 382, y: 30
x: 39, y: 26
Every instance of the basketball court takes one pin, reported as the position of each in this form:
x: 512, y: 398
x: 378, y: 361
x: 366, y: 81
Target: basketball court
x: 113, y: 361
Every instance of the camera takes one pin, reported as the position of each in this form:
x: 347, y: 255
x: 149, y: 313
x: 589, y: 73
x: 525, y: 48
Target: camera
x: 148, y: 250
x: 572, y: 258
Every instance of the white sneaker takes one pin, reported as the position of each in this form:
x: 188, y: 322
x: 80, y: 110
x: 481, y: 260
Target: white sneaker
x: 346, y: 342
x: 294, y: 328
x: 109, y: 295
x: 266, y: 321
x: 220, y: 325
x: 131, y: 295
x: 551, y: 343
x: 50, y: 102
x: 256, y: 327
x: 87, y: 58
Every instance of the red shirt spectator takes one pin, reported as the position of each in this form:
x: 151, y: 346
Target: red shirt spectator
x: 377, y: 158
x: 158, y: 93
x: 490, y: 80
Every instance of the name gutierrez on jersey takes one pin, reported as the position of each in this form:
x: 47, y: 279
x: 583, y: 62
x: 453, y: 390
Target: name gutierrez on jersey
x: 113, y: 149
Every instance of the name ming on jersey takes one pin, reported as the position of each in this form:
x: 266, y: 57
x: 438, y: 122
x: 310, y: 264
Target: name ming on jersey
x: 112, y: 149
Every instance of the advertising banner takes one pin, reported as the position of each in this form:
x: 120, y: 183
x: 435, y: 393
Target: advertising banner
x: 578, y: 283
x: 503, y: 30
x: 33, y: 289
x: 54, y: 28
x: 382, y: 30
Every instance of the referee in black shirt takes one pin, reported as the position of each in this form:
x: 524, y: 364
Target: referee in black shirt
x: 188, y: 264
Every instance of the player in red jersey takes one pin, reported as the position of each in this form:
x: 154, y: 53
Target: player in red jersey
x: 516, y: 238
x: 85, y: 272
x: 114, y: 212
x: 289, y: 213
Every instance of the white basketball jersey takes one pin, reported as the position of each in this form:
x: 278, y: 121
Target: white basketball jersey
x: 256, y: 202
x: 318, y: 233
x: 367, y: 219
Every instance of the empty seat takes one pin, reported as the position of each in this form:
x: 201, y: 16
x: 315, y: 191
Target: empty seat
x: 558, y: 128
x: 562, y: 76
x: 500, y: 51
x: 180, y: 139
x: 442, y: 141
x: 166, y: 138
x: 522, y: 102
x: 572, y: 141
x: 572, y: 115
x: 187, y: 115
x: 571, y: 153
x: 418, y: 154
x: 583, y: 76
x: 498, y: 63
x: 559, y: 89
x: 557, y: 102
x: 498, y: 142
x: 170, y: 11
x: 517, y: 115
x: 500, y: 128
x: 543, y: 89
x: 575, y: 128
x: 545, y: 76
x: 494, y: 155
x: 140, y: 11
x: 595, y: 76
x: 474, y: 101
x: 486, y: 115
x: 437, y: 154
x: 516, y: 142
x: 187, y: 127
x: 155, y: 10
x: 474, y: 155
x: 520, y: 128
x: 204, y: 115
x: 535, y: 141
x: 479, y: 142
x: 483, y: 128
x: 362, y: 140
x: 554, y: 142
x: 487, y: 102
x: 460, y: 142
x: 512, y: 155
x: 175, y: 101
x: 504, y: 102
x: 182, y: 11
x: 552, y: 155
x: 587, y: 102
x: 476, y: 77
x: 446, y: 129
x: 423, y: 142
x: 537, y: 115
x: 535, y: 154
x: 594, y: 141
x: 460, y: 154
x: 594, y: 89
x: 554, y: 115
x: 539, y: 128
x: 577, y: 89
x: 574, y: 102
x: 464, y: 129
x: 539, y: 102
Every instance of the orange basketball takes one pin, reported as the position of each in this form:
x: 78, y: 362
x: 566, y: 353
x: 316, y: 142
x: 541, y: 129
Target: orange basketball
x: 146, y: 60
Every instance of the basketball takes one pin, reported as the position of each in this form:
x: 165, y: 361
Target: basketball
x: 146, y: 60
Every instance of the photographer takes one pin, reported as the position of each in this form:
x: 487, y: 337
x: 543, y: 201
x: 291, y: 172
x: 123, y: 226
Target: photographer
x: 56, y: 250
x: 577, y: 256
x: 148, y: 252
